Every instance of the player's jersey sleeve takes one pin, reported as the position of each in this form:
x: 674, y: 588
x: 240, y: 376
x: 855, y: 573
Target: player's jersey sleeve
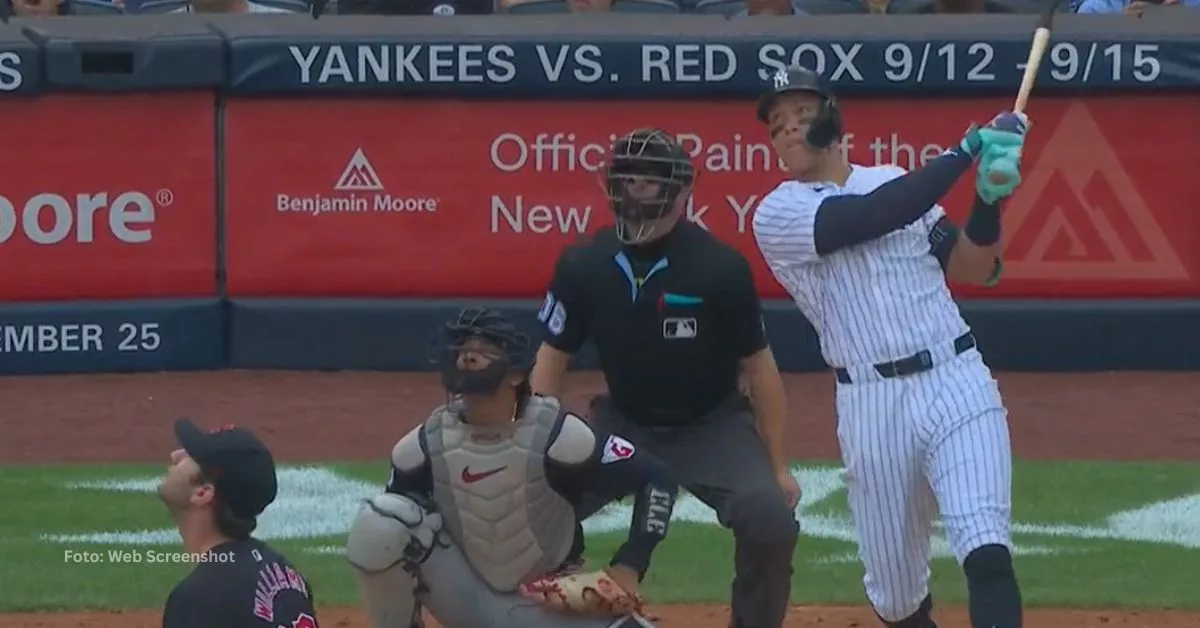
x: 583, y: 460
x: 563, y: 315
x: 784, y: 226
x: 933, y: 217
x: 930, y: 219
x: 411, y: 475
x: 742, y: 308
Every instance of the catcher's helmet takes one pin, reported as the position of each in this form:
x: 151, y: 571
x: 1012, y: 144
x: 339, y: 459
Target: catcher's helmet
x: 497, y: 344
x: 649, y: 155
x: 827, y: 126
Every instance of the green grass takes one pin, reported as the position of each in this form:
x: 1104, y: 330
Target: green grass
x: 1090, y: 559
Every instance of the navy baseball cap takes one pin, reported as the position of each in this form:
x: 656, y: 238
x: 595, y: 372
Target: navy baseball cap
x: 238, y: 464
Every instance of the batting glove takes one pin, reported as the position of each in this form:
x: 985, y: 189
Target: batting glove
x: 1007, y: 129
x: 998, y: 173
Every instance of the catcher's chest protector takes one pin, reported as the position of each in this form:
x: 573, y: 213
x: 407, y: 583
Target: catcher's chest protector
x: 490, y: 486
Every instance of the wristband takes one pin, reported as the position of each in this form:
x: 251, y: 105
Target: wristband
x: 983, y: 226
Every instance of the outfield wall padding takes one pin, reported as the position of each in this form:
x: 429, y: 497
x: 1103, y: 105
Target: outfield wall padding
x: 1027, y: 335
x: 112, y: 336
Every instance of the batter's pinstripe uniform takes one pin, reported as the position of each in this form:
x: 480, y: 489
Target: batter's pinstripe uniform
x: 920, y: 420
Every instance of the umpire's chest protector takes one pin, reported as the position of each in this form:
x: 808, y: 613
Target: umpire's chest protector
x: 490, y: 486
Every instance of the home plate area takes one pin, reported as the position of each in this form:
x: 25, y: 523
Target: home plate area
x: 310, y: 418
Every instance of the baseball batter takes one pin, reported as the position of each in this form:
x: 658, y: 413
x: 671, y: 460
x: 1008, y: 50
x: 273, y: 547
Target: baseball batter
x: 865, y: 253
x: 479, y: 522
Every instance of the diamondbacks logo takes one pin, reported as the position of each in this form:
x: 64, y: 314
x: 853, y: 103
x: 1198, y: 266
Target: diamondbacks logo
x: 359, y: 175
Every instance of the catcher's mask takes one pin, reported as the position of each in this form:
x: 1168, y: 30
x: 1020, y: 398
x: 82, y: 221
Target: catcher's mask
x: 646, y: 173
x: 477, y: 349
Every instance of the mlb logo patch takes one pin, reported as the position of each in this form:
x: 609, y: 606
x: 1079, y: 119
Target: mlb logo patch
x: 679, y: 328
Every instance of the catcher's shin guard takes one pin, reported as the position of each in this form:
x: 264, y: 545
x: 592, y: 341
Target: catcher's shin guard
x: 389, y: 536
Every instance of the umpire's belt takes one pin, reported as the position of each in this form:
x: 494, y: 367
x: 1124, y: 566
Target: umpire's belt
x: 917, y: 363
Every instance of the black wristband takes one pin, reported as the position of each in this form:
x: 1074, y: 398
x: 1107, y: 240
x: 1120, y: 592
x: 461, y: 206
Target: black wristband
x: 983, y: 226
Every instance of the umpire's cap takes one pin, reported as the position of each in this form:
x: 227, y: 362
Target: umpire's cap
x: 823, y: 129
x: 238, y: 464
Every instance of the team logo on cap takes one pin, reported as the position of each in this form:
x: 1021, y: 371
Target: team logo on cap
x: 222, y: 428
x: 782, y: 79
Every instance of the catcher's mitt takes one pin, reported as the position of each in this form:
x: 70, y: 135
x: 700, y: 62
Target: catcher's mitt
x: 591, y: 593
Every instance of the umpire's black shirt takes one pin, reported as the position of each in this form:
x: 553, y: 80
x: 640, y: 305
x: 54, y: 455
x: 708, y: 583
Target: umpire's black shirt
x: 246, y: 584
x: 671, y: 319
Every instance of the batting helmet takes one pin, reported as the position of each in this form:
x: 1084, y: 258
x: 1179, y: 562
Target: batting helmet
x: 649, y: 155
x: 487, y: 334
x: 826, y: 127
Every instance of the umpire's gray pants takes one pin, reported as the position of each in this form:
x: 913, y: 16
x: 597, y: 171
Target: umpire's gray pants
x: 722, y: 461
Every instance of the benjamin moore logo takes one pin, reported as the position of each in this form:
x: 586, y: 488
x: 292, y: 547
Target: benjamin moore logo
x: 359, y: 175
x: 11, y: 77
x: 358, y: 190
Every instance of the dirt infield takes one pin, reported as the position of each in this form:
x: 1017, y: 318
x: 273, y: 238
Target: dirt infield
x: 342, y: 416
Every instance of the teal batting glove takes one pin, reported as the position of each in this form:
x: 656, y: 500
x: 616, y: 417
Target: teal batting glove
x: 998, y: 173
x: 972, y: 143
x: 1006, y: 129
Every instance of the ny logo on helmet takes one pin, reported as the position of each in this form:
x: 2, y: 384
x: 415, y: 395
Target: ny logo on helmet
x: 782, y: 79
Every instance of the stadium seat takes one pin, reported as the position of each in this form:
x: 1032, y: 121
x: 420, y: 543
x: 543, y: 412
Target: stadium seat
x: 645, y: 6
x: 1006, y: 6
x: 95, y: 7
x: 161, y: 6
x: 290, y: 5
x: 719, y: 7
x: 835, y: 7
x: 530, y: 7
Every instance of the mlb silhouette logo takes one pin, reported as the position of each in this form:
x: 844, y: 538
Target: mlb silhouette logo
x: 679, y: 328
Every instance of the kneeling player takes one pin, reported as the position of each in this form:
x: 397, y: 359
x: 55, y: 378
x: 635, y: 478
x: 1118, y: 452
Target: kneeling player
x: 479, y: 517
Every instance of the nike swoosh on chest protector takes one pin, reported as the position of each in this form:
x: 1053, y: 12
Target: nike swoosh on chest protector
x: 471, y: 478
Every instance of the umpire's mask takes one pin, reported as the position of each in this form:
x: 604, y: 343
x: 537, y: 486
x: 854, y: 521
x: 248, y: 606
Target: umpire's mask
x: 477, y: 349
x: 647, y: 171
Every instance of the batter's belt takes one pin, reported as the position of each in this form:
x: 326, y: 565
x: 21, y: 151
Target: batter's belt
x: 918, y: 362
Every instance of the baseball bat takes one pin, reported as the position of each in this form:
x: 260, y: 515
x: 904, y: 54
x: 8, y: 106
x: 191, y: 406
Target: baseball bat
x: 1037, y: 50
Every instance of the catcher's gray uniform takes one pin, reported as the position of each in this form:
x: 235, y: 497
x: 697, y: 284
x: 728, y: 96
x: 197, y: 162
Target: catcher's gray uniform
x: 471, y: 512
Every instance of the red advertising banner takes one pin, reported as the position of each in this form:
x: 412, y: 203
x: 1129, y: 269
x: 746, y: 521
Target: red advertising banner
x: 107, y: 197
x: 454, y: 198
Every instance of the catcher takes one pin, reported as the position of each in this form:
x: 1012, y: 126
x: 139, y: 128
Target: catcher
x: 479, y: 522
